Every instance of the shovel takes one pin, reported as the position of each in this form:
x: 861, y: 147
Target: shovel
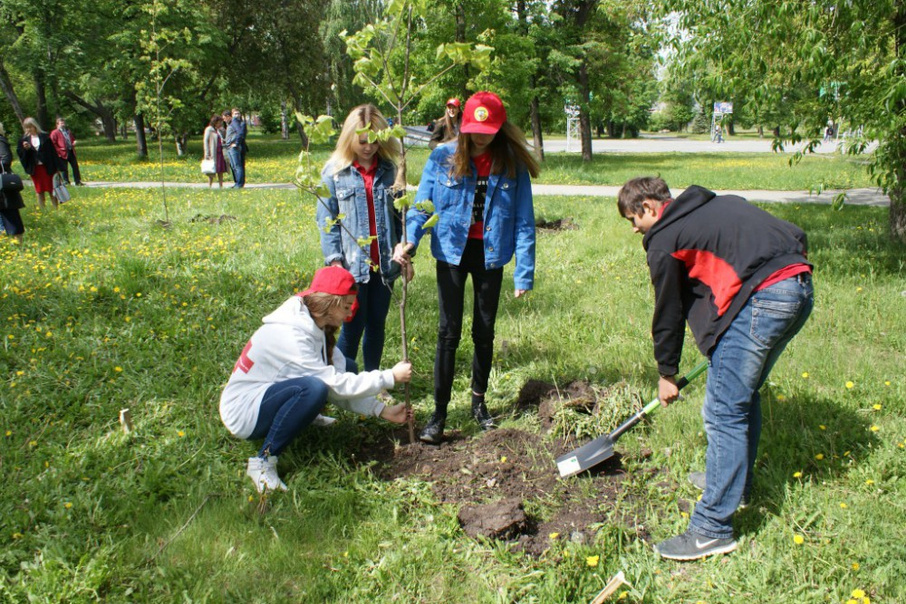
x: 601, y: 448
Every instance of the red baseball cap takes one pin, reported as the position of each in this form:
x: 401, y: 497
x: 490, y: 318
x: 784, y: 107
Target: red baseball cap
x: 334, y: 280
x: 453, y: 101
x: 484, y: 114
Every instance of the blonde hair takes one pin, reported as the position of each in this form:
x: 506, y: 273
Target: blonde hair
x: 319, y: 305
x: 363, y: 116
x: 30, y: 121
x: 509, y: 152
x: 2, y: 130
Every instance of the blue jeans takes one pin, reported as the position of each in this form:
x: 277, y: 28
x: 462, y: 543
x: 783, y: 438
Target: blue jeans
x: 739, y: 366
x: 237, y: 165
x: 288, y: 407
x: 370, y: 319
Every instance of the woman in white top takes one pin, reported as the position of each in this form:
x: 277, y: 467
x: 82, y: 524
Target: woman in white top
x: 291, y: 368
x: 213, y: 149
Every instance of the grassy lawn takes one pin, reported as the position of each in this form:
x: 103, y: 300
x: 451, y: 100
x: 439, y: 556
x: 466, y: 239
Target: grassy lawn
x: 272, y: 160
x: 104, y: 310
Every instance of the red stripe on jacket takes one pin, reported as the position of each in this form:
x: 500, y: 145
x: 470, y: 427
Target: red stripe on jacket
x: 714, y: 272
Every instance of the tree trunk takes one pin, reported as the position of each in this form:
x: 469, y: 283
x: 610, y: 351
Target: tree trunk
x: 7, y: 85
x: 731, y: 130
x: 141, y: 142
x: 108, y: 119
x: 584, y: 118
x: 537, y: 136
x: 182, y: 140
x: 284, y: 125
x: 898, y: 215
x: 41, y: 101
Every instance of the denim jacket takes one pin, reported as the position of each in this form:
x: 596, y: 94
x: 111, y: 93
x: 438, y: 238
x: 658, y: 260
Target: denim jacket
x: 348, y: 197
x: 509, y: 216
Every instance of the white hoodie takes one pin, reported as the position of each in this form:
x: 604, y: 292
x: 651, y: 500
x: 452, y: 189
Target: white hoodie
x: 289, y: 345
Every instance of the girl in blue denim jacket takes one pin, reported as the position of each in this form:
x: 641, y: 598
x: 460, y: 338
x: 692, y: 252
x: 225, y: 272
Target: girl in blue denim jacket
x: 360, y: 176
x: 479, y: 185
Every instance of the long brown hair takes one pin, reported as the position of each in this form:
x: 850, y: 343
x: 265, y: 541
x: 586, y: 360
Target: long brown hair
x: 509, y: 151
x: 319, y: 305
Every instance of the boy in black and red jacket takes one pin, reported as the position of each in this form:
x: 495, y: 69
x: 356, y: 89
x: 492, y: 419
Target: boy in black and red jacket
x: 740, y: 278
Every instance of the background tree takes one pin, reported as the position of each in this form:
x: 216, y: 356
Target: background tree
x: 780, y: 54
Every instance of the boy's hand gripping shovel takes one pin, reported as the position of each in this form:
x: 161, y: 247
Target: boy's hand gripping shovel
x: 601, y: 448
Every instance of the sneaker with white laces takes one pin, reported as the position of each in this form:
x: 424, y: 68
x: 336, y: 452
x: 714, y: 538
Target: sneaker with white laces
x: 692, y: 546
x: 263, y: 473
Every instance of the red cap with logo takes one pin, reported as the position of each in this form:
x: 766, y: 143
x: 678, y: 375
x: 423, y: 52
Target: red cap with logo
x: 453, y: 101
x: 334, y: 280
x: 484, y: 114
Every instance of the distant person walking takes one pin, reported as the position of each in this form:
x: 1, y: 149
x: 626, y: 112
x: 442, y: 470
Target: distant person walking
x: 236, y: 147
x: 39, y: 159
x: 213, y: 149
x: 446, y: 128
x: 64, y: 143
x: 10, y: 201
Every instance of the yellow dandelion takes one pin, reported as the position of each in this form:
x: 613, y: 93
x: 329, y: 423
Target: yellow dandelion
x: 858, y: 593
x: 886, y: 382
x: 781, y: 398
x: 553, y: 536
x: 9, y: 432
x: 819, y: 456
x: 118, y: 369
x: 850, y: 384
x: 876, y: 407
x: 798, y: 539
x: 869, y: 482
x: 874, y: 428
x: 843, y: 506
x: 797, y: 474
x: 17, y: 535
x: 805, y: 375
x: 180, y: 433
x: 592, y: 560
x: 67, y: 505
x: 251, y: 498
x: 855, y: 566
x: 503, y: 459
x: 822, y: 427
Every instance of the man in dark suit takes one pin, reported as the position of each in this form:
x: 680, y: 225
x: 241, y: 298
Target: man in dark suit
x: 236, y: 147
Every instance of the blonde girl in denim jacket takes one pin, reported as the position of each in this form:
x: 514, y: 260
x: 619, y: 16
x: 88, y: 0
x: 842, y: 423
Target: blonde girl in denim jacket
x: 360, y: 176
x: 482, y: 193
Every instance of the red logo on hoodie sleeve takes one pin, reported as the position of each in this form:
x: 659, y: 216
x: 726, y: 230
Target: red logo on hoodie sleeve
x: 244, y: 364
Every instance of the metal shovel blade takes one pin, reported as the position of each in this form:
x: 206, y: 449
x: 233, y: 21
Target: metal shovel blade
x: 600, y: 449
x: 588, y: 455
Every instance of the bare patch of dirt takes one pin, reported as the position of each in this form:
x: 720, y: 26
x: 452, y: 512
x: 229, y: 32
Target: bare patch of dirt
x: 560, y: 224
x: 545, y: 399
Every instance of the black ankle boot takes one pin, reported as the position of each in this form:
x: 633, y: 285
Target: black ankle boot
x: 434, y: 431
x: 481, y: 415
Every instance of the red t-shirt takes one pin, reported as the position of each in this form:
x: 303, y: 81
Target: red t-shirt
x: 483, y: 167
x: 368, y: 177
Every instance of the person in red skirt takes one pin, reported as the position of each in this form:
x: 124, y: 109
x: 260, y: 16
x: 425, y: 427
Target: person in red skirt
x: 39, y: 159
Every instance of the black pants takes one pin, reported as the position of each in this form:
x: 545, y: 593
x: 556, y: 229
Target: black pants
x: 63, y: 166
x: 451, y: 287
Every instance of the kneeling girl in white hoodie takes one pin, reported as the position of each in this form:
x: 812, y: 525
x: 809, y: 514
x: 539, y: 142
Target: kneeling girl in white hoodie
x: 291, y: 368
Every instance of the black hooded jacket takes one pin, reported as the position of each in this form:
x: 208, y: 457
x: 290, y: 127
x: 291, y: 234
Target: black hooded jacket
x: 707, y: 254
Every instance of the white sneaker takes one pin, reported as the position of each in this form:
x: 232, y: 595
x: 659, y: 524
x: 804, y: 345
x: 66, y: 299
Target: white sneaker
x: 263, y: 473
x: 323, y: 420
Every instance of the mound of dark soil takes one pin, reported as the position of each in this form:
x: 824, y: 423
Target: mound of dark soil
x: 495, y: 475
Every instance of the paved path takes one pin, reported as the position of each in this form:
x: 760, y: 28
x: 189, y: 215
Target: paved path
x: 868, y: 197
x: 663, y: 143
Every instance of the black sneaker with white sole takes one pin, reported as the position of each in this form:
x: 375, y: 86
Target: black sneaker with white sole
x: 692, y: 546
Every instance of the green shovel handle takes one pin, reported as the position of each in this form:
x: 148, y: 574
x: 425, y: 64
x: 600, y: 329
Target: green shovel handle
x: 680, y: 384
